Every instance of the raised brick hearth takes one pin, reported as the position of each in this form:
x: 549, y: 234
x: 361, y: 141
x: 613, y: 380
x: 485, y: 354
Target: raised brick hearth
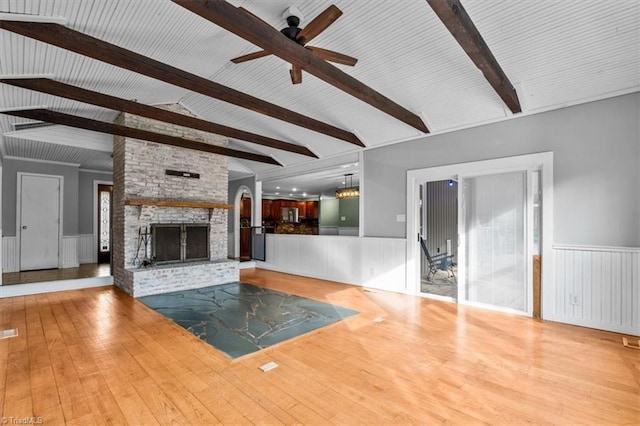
x: 139, y: 173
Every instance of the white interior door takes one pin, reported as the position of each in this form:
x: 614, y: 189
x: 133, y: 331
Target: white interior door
x: 39, y: 222
x: 494, y: 241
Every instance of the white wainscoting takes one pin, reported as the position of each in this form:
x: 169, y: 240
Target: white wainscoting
x: 76, y: 249
x: 372, y: 262
x: 87, y: 252
x: 70, y: 252
x: 10, y: 258
x: 51, y: 286
x: 597, y: 287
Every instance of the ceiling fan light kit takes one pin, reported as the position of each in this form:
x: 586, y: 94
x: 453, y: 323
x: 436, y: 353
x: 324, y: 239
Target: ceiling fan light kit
x: 292, y: 31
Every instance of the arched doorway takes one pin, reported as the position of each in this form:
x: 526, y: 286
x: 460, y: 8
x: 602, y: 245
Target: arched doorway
x: 243, y: 208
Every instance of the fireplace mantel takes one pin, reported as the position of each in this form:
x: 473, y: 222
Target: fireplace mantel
x: 176, y: 203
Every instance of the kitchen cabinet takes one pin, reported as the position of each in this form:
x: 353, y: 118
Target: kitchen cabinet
x: 271, y: 209
x: 267, y: 206
x: 311, y: 209
x: 302, y: 209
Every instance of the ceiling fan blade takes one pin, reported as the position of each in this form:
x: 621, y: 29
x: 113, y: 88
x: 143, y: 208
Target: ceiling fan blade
x: 254, y: 55
x: 319, y: 24
x: 331, y: 56
x: 250, y: 56
x: 296, y: 74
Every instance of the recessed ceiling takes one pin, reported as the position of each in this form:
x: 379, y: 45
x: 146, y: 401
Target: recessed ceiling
x: 314, y: 184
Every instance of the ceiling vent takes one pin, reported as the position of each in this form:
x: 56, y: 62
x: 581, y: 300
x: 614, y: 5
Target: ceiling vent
x: 29, y: 126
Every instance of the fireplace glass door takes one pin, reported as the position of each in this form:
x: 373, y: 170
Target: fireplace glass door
x: 197, y: 242
x: 180, y: 242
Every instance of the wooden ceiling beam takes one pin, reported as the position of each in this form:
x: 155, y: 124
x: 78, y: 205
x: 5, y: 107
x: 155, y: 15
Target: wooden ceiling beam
x: 100, y: 50
x: 79, y: 94
x: 254, y: 30
x: 460, y: 25
x: 55, y: 117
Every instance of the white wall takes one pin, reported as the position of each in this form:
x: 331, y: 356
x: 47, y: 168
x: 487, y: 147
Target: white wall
x: 371, y: 262
x: 597, y: 287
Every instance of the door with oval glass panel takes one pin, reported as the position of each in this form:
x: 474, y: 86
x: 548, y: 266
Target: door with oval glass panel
x: 105, y: 195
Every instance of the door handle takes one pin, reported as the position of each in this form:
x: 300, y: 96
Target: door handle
x: 24, y: 226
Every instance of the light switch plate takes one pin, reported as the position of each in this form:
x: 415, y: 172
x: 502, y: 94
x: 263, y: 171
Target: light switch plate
x: 401, y: 218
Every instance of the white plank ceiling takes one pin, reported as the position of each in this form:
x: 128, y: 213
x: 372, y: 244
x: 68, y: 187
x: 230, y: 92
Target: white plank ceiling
x: 556, y: 53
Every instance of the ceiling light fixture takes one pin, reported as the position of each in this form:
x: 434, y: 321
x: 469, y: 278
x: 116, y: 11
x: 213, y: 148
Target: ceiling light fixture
x: 349, y: 191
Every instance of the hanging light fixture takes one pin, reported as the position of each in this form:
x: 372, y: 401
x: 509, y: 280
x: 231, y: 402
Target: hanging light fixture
x: 348, y: 191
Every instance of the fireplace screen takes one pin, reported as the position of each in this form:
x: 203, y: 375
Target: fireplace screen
x: 180, y: 242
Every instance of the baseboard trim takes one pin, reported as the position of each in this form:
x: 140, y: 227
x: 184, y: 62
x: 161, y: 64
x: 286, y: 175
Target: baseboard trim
x: 52, y: 286
x: 598, y: 325
x: 247, y: 265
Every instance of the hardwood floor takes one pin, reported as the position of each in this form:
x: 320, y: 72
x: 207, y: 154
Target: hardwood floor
x: 97, y: 356
x: 86, y: 270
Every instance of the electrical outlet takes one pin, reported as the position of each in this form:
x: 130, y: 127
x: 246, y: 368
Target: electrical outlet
x: 574, y: 299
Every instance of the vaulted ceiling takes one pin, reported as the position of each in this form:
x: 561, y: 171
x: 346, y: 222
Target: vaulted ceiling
x: 552, y: 53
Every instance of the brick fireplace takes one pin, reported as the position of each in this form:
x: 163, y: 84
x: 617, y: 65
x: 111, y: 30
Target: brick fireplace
x: 146, y: 197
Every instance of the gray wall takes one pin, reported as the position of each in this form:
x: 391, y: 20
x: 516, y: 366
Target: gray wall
x: 349, y: 209
x: 10, y: 169
x: 332, y: 210
x: 85, y: 199
x: 250, y: 183
x: 596, y: 150
x: 329, y: 212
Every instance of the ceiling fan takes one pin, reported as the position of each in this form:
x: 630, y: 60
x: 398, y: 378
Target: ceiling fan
x: 302, y: 36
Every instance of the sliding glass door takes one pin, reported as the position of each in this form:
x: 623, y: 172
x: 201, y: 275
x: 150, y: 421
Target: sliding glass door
x: 494, y: 240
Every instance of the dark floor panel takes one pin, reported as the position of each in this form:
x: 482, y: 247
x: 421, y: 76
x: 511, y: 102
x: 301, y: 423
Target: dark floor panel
x: 240, y: 318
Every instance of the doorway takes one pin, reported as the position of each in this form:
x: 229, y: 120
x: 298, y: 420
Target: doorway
x: 244, y: 213
x: 245, y: 227
x: 502, y: 228
x: 439, y: 238
x: 39, y: 221
x: 104, y: 209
